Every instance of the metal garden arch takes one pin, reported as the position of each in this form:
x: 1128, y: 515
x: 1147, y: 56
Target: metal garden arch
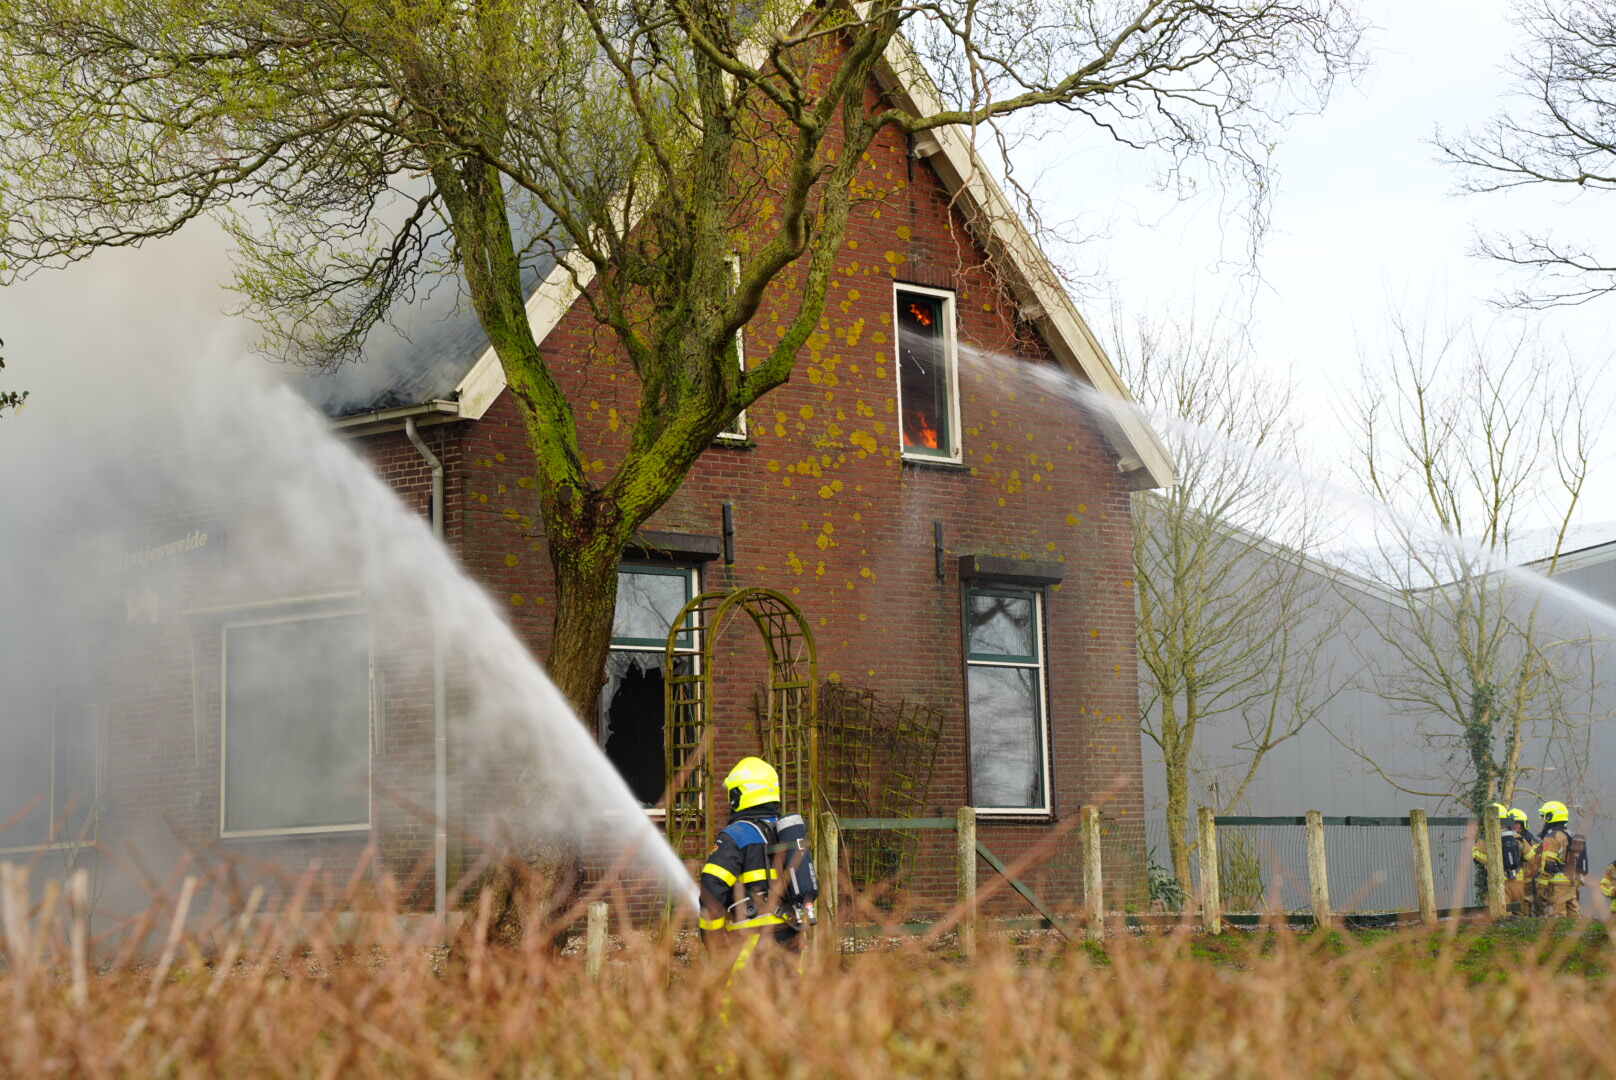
x: 790, y: 721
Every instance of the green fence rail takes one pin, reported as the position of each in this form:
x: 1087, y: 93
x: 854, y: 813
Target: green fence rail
x: 1351, y: 819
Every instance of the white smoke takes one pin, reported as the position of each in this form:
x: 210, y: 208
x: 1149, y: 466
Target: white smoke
x: 159, y: 479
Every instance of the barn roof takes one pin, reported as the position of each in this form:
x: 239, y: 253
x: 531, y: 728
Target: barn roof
x: 445, y: 366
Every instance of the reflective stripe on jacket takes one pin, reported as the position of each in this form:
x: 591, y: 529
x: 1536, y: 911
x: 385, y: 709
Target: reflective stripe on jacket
x: 740, y: 858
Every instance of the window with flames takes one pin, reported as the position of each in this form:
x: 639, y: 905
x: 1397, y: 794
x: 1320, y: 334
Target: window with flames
x: 926, y: 380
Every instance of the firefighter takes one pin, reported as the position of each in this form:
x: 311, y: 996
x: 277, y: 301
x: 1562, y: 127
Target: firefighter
x: 1518, y: 820
x: 1525, y: 904
x: 1558, y: 864
x: 750, y: 886
x: 1514, y: 868
x: 1607, y: 885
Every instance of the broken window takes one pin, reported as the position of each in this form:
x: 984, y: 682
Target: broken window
x: 926, y: 380
x: 1004, y: 666
x: 296, y: 725
x: 630, y: 722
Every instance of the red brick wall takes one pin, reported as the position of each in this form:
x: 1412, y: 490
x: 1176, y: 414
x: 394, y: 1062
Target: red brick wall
x: 826, y: 511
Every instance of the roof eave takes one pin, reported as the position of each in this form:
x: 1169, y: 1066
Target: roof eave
x: 437, y: 411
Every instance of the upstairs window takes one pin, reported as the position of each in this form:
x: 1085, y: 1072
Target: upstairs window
x: 927, y: 377
x: 296, y: 724
x: 630, y: 723
x: 1005, y: 674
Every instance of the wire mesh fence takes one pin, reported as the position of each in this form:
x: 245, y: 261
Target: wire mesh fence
x: 1370, y: 863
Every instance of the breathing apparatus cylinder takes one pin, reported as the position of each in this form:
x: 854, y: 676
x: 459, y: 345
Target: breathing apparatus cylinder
x: 801, y: 883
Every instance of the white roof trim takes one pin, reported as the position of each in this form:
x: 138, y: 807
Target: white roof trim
x: 1141, y: 455
x: 550, y: 301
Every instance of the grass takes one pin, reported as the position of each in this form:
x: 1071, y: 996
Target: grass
x: 1480, y: 1000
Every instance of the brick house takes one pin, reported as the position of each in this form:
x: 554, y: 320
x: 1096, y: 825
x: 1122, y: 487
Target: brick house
x: 956, y: 535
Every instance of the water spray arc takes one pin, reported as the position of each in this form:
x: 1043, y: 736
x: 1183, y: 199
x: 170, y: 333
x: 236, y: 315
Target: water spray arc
x: 302, y: 533
x: 440, y: 703
x: 1120, y: 411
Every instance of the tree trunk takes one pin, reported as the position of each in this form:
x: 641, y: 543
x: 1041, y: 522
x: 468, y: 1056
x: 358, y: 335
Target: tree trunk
x: 586, y: 600
x: 1178, y: 818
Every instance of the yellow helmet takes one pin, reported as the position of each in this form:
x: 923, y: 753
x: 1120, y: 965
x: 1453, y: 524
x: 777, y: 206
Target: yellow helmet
x: 752, y: 782
x: 1554, y: 811
x: 1517, y: 814
x: 1503, y: 811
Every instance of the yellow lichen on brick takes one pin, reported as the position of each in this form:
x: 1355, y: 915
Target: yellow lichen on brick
x: 511, y: 560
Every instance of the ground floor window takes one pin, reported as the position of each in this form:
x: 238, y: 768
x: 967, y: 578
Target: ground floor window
x: 1005, y: 672
x: 48, y: 770
x: 296, y: 725
x: 649, y: 597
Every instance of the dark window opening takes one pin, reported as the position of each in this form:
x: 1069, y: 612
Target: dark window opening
x: 631, y: 703
x: 924, y: 379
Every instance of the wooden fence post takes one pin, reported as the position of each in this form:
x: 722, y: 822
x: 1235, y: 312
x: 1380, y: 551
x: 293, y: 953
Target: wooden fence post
x: 1093, y: 882
x: 829, y: 869
x: 1211, y: 897
x: 78, y: 935
x: 595, y: 939
x: 1419, y: 831
x: 1493, y: 837
x: 965, y: 851
x: 1318, y: 869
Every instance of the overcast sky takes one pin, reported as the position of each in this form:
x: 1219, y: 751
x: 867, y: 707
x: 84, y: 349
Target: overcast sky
x: 1364, y: 218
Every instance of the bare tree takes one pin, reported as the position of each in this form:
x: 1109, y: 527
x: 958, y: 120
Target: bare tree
x: 1231, y: 650
x: 1479, y: 445
x: 1563, y: 134
x: 639, y: 143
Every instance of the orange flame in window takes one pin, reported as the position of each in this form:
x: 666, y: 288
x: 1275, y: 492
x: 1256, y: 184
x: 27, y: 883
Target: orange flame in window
x: 922, y: 316
x: 923, y: 433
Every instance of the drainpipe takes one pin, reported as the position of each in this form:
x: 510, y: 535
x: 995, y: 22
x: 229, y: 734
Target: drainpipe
x: 440, y: 705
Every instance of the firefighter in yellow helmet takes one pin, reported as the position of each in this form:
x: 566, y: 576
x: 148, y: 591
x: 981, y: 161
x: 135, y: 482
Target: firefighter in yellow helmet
x: 1607, y: 885
x: 759, y: 879
x: 1558, y: 864
x: 1514, y: 868
x: 1528, y: 843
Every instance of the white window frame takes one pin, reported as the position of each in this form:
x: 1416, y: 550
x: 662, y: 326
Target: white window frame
x: 224, y: 725
x: 1040, y: 665
x: 692, y: 575
x: 953, y: 453
x: 738, y: 433
x: 95, y: 769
